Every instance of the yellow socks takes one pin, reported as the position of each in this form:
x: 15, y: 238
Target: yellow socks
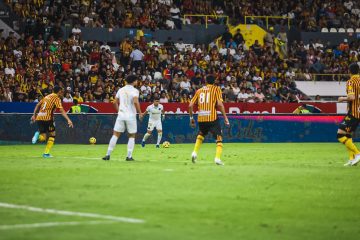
x: 199, y: 141
x: 42, y: 138
x: 219, y: 148
x: 351, y: 146
x: 347, y: 141
x: 49, y: 145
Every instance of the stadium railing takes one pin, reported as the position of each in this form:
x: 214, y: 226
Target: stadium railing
x: 329, y: 77
x: 267, y: 19
x: 214, y: 16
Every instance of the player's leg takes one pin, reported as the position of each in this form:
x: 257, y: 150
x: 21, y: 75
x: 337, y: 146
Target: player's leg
x: 159, y: 131
x: 131, y: 127
x: 51, y: 139
x: 118, y: 129
x: 40, y: 135
x: 344, y: 135
x: 217, y: 133
x: 150, y: 128
x: 203, y: 131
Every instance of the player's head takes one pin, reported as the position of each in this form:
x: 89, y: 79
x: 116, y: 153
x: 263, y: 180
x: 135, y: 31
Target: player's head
x: 75, y: 102
x: 210, y: 79
x: 131, y: 80
x: 354, y: 68
x: 59, y: 91
x: 156, y: 100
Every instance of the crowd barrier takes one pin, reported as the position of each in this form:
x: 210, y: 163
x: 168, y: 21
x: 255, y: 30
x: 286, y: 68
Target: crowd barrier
x: 16, y: 128
x: 180, y: 108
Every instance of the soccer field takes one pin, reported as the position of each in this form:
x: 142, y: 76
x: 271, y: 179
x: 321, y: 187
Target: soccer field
x: 264, y: 191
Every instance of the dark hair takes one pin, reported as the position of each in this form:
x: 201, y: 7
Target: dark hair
x: 131, y: 78
x: 210, y: 79
x: 156, y: 98
x: 75, y: 101
x: 354, y: 68
x: 57, y: 89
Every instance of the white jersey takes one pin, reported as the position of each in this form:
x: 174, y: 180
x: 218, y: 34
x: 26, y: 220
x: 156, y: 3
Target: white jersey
x: 155, y: 112
x: 126, y: 97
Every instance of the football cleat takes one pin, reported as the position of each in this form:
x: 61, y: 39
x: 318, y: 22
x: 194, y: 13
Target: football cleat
x: 35, y: 137
x: 106, y: 158
x: 129, y: 159
x: 47, y: 155
x: 143, y: 143
x: 218, y: 162
x: 356, y: 160
x: 157, y: 146
x: 193, y: 157
x: 348, y: 163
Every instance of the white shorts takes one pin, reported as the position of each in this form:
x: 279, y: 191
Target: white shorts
x: 122, y: 125
x: 156, y: 124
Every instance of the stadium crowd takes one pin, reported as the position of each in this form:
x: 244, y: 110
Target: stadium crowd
x: 89, y: 71
x: 308, y: 15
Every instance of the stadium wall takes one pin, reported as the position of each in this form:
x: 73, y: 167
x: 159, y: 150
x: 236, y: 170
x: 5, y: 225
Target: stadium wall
x: 179, y: 108
x: 16, y: 128
x: 191, y: 34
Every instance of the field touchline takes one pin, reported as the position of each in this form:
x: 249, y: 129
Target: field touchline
x: 71, y: 213
x: 53, y: 224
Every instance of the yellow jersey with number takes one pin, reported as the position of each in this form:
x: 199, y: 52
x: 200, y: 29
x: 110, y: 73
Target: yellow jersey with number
x: 48, y: 105
x: 206, y: 99
x: 353, y: 88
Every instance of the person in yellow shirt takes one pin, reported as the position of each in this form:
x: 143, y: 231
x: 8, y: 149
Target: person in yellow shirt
x: 78, y: 97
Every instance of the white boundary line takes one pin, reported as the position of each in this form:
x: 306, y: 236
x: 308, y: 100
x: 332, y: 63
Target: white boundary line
x: 70, y: 213
x: 52, y: 224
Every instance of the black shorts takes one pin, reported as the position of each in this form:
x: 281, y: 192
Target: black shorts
x: 213, y: 127
x: 349, y: 124
x: 46, y: 126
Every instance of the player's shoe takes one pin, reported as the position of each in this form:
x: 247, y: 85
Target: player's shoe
x: 106, y: 158
x: 356, y: 160
x: 348, y: 163
x: 218, y: 162
x: 157, y: 146
x: 143, y: 143
x: 35, y: 137
x: 47, y: 155
x: 193, y: 157
x: 129, y: 159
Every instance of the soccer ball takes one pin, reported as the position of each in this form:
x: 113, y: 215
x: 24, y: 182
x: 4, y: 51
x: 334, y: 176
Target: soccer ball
x: 166, y: 144
x: 92, y: 140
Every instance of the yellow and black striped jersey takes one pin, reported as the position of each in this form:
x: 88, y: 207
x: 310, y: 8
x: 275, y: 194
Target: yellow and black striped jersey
x: 206, y: 99
x: 353, y: 88
x: 48, y: 105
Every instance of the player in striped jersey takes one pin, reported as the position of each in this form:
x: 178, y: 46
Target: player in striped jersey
x: 44, y: 116
x: 208, y: 99
x: 352, y: 119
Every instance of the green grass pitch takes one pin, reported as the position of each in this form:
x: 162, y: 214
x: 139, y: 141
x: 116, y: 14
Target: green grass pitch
x: 264, y: 191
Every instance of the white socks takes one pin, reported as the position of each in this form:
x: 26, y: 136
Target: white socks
x: 146, y: 136
x: 159, y: 138
x: 112, y: 144
x: 130, y: 147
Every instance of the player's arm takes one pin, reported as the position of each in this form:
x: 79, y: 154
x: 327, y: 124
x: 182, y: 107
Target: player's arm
x: 63, y: 113
x: 162, y: 114
x: 220, y: 106
x: 137, y: 106
x: 116, y: 104
x: 191, y: 109
x: 350, y: 93
x: 59, y: 106
x: 36, y: 110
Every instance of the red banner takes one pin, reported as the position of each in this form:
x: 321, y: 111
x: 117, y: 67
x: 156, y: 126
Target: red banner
x: 235, y: 108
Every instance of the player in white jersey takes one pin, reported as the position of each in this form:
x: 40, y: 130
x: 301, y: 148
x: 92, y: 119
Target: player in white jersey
x: 127, y: 105
x: 156, y: 115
